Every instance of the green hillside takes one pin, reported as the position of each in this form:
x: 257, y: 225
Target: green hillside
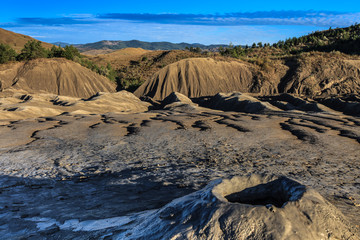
x: 346, y: 40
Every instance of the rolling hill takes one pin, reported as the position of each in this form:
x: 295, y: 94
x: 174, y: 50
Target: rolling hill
x: 17, y: 40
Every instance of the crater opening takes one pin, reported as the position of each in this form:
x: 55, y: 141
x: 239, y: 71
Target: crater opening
x: 276, y: 193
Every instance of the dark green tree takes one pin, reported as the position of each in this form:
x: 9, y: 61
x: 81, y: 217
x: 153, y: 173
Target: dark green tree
x: 56, y: 52
x: 6, y: 53
x: 32, y: 50
x: 195, y: 49
x: 111, y: 73
x: 71, y: 52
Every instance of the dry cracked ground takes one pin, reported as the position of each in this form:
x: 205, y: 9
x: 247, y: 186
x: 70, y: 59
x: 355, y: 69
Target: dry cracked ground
x: 103, y: 166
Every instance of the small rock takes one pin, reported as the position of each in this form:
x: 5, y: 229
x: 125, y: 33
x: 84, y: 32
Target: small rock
x: 168, y: 213
x: 50, y: 230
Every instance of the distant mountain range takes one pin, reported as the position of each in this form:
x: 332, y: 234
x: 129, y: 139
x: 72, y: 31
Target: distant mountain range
x: 115, y: 45
x: 62, y: 44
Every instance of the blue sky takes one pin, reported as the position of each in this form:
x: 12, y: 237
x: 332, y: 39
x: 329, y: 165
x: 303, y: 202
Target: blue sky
x: 207, y: 22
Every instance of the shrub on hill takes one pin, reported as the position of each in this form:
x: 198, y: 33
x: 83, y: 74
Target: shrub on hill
x: 56, y: 52
x: 234, y: 51
x: 32, y: 50
x: 7, y: 54
x: 194, y: 49
x: 68, y: 52
x: 128, y: 83
x: 107, y: 71
x: 71, y: 52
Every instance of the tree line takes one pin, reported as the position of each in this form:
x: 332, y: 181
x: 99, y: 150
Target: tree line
x: 346, y: 40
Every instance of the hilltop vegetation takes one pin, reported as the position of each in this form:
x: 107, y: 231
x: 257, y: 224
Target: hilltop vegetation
x: 7, y: 54
x: 345, y: 40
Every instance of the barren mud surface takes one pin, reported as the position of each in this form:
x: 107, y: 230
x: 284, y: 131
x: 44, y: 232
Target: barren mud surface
x: 79, y: 176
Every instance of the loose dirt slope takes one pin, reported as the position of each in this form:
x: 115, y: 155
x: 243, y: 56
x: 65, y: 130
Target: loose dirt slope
x: 16, y: 40
x: 324, y: 75
x: 58, y: 76
x: 197, y: 77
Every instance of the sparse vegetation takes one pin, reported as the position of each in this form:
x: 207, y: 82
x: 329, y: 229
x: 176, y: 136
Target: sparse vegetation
x: 234, y: 51
x: 71, y: 53
x: 345, y: 40
x: 7, y: 54
x: 194, y: 49
x: 129, y: 80
x: 56, y: 52
x: 263, y: 63
x: 107, y: 71
x: 129, y: 84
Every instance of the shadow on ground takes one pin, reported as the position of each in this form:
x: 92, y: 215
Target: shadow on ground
x: 83, y: 198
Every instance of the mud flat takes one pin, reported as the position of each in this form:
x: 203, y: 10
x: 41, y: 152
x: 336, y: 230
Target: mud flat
x: 76, y: 176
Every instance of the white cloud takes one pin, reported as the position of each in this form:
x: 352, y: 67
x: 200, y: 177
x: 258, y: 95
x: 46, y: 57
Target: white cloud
x: 238, y: 28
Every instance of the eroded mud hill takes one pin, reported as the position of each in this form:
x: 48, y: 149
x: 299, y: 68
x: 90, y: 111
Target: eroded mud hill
x: 57, y: 76
x: 311, y: 75
x: 323, y: 75
x: 197, y: 77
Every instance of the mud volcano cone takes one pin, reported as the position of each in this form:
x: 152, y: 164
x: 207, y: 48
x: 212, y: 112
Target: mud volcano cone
x: 253, y: 207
